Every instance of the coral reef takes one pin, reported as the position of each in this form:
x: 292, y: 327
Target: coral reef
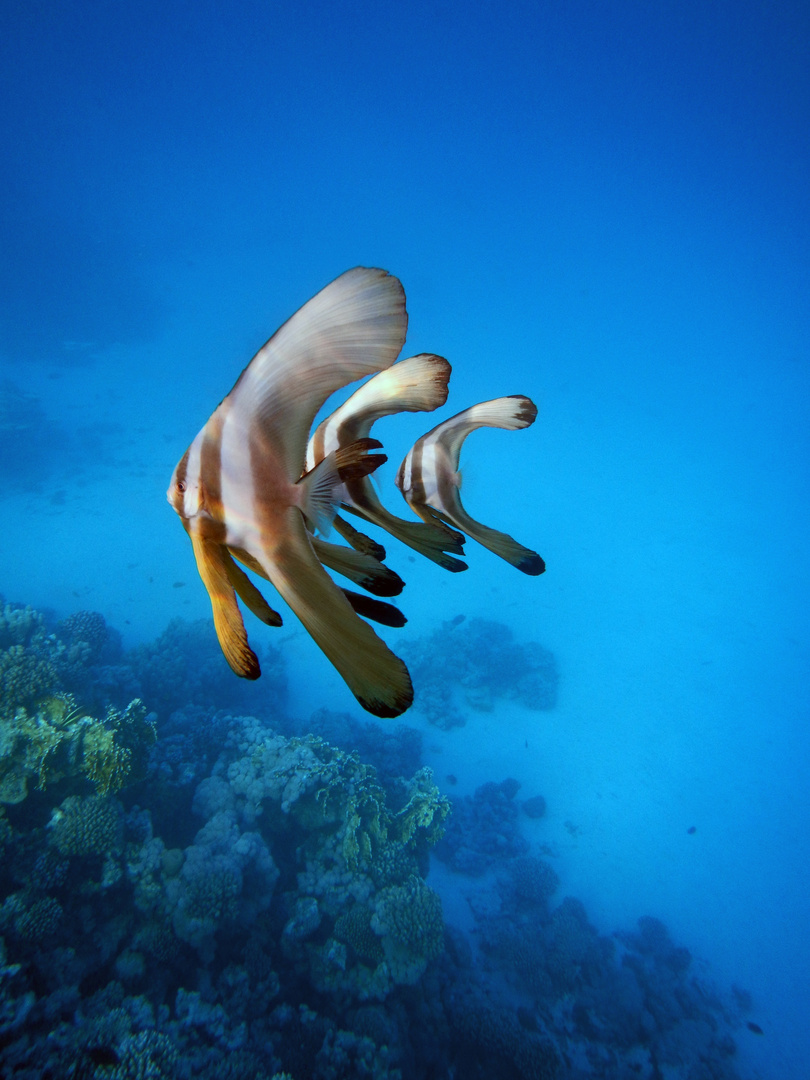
x: 483, y: 829
x: 185, y: 668
x: 393, y: 751
x: 81, y: 656
x: 243, y: 900
x: 482, y: 659
x: 58, y: 741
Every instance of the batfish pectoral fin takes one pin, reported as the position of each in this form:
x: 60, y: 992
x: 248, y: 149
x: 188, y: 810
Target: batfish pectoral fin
x: 377, y: 678
x: 249, y: 594
x: 213, y: 561
x: 323, y: 485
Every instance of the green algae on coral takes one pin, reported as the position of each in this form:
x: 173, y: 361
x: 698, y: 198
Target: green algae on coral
x: 425, y: 810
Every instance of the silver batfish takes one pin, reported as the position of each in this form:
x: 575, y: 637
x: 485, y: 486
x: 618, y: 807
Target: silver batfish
x: 240, y: 493
x: 430, y: 481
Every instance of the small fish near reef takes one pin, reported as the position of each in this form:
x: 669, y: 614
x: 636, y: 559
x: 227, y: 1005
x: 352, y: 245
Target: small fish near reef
x: 253, y: 488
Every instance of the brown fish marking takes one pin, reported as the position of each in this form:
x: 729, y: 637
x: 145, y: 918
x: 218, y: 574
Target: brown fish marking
x: 239, y: 491
x: 430, y: 482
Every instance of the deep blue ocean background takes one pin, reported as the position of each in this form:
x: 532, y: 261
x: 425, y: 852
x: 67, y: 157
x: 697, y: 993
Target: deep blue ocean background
x: 601, y: 205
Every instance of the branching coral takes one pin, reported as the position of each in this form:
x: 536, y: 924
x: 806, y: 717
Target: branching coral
x: 529, y: 884
x: 33, y: 920
x: 424, y: 813
x: 88, y: 627
x: 19, y: 625
x: 494, y: 1036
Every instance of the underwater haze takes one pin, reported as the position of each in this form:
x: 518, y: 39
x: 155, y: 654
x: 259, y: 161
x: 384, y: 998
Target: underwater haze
x: 604, y: 206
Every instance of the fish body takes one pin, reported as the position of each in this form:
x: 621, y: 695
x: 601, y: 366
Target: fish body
x: 430, y: 481
x: 418, y: 384
x: 240, y: 493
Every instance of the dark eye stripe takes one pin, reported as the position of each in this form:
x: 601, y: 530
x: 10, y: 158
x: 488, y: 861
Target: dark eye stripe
x: 181, y: 471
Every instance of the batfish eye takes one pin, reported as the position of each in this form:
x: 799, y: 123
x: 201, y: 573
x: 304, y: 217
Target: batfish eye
x: 181, y: 486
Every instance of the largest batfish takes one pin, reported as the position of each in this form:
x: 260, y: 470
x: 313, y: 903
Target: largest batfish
x: 239, y: 491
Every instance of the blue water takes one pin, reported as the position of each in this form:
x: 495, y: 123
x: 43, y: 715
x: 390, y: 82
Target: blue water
x: 603, y: 206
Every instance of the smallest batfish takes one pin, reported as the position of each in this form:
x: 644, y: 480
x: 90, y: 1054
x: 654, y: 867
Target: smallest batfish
x: 239, y: 492
x: 430, y: 481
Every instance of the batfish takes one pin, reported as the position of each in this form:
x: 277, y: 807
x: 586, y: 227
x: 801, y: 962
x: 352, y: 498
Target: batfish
x: 418, y: 384
x: 430, y: 481
x: 240, y: 493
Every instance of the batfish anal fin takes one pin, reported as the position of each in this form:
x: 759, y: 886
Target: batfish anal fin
x: 212, y: 563
x: 499, y: 543
x: 377, y: 678
x: 430, y: 537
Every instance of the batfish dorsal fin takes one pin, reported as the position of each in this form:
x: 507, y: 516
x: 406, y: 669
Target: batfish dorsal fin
x: 418, y: 384
x: 353, y: 327
x: 510, y: 413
